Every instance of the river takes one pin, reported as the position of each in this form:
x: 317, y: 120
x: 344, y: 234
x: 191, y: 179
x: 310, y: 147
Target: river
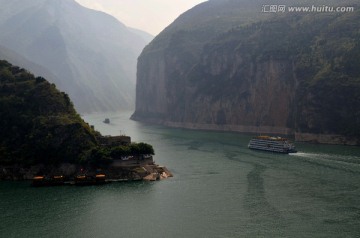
x: 220, y: 189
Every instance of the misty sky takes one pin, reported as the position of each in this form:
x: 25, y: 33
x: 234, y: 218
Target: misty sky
x: 149, y: 15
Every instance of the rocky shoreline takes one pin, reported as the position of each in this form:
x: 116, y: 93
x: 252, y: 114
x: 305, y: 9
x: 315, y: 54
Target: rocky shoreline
x: 331, y: 139
x: 216, y: 127
x: 69, y: 172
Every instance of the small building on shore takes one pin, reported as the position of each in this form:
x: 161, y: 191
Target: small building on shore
x: 114, y: 140
x: 138, y: 160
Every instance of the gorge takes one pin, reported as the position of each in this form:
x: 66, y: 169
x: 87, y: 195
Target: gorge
x: 224, y: 66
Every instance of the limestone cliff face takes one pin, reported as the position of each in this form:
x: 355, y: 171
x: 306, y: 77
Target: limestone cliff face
x: 257, y: 94
x: 261, y: 94
x: 286, y: 74
x: 152, y: 89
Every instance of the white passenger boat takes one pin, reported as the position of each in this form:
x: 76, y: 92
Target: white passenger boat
x: 273, y: 144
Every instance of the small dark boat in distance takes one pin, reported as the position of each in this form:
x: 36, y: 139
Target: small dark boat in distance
x: 100, y: 178
x: 272, y: 144
x: 40, y: 180
x: 106, y: 121
x: 83, y: 179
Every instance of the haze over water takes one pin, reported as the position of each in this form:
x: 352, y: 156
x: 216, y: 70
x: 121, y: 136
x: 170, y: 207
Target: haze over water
x: 220, y: 188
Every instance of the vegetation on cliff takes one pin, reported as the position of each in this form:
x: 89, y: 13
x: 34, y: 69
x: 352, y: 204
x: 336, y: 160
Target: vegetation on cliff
x: 38, y: 124
x: 322, y: 76
x: 225, y: 63
x: 104, y: 155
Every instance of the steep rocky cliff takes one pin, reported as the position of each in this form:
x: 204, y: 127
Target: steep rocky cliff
x: 240, y: 70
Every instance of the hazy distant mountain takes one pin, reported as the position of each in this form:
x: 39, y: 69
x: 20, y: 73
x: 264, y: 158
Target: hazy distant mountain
x: 225, y: 65
x: 20, y: 61
x: 91, y: 54
x: 146, y: 36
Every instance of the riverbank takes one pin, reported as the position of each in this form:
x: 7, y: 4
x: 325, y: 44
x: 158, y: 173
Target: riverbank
x: 331, y: 139
x: 216, y: 127
x: 69, y: 173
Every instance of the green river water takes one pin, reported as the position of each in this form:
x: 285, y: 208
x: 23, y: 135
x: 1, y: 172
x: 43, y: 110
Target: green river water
x: 220, y: 189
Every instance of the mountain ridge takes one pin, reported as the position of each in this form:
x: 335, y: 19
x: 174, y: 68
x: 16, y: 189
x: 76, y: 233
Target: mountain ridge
x: 92, y: 53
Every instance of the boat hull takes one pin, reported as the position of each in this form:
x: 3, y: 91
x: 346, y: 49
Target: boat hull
x: 270, y: 144
x: 275, y: 151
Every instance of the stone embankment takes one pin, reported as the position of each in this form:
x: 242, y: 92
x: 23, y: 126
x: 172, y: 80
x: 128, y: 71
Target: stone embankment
x: 331, y: 139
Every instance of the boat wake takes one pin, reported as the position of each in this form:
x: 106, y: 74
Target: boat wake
x: 340, y: 161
